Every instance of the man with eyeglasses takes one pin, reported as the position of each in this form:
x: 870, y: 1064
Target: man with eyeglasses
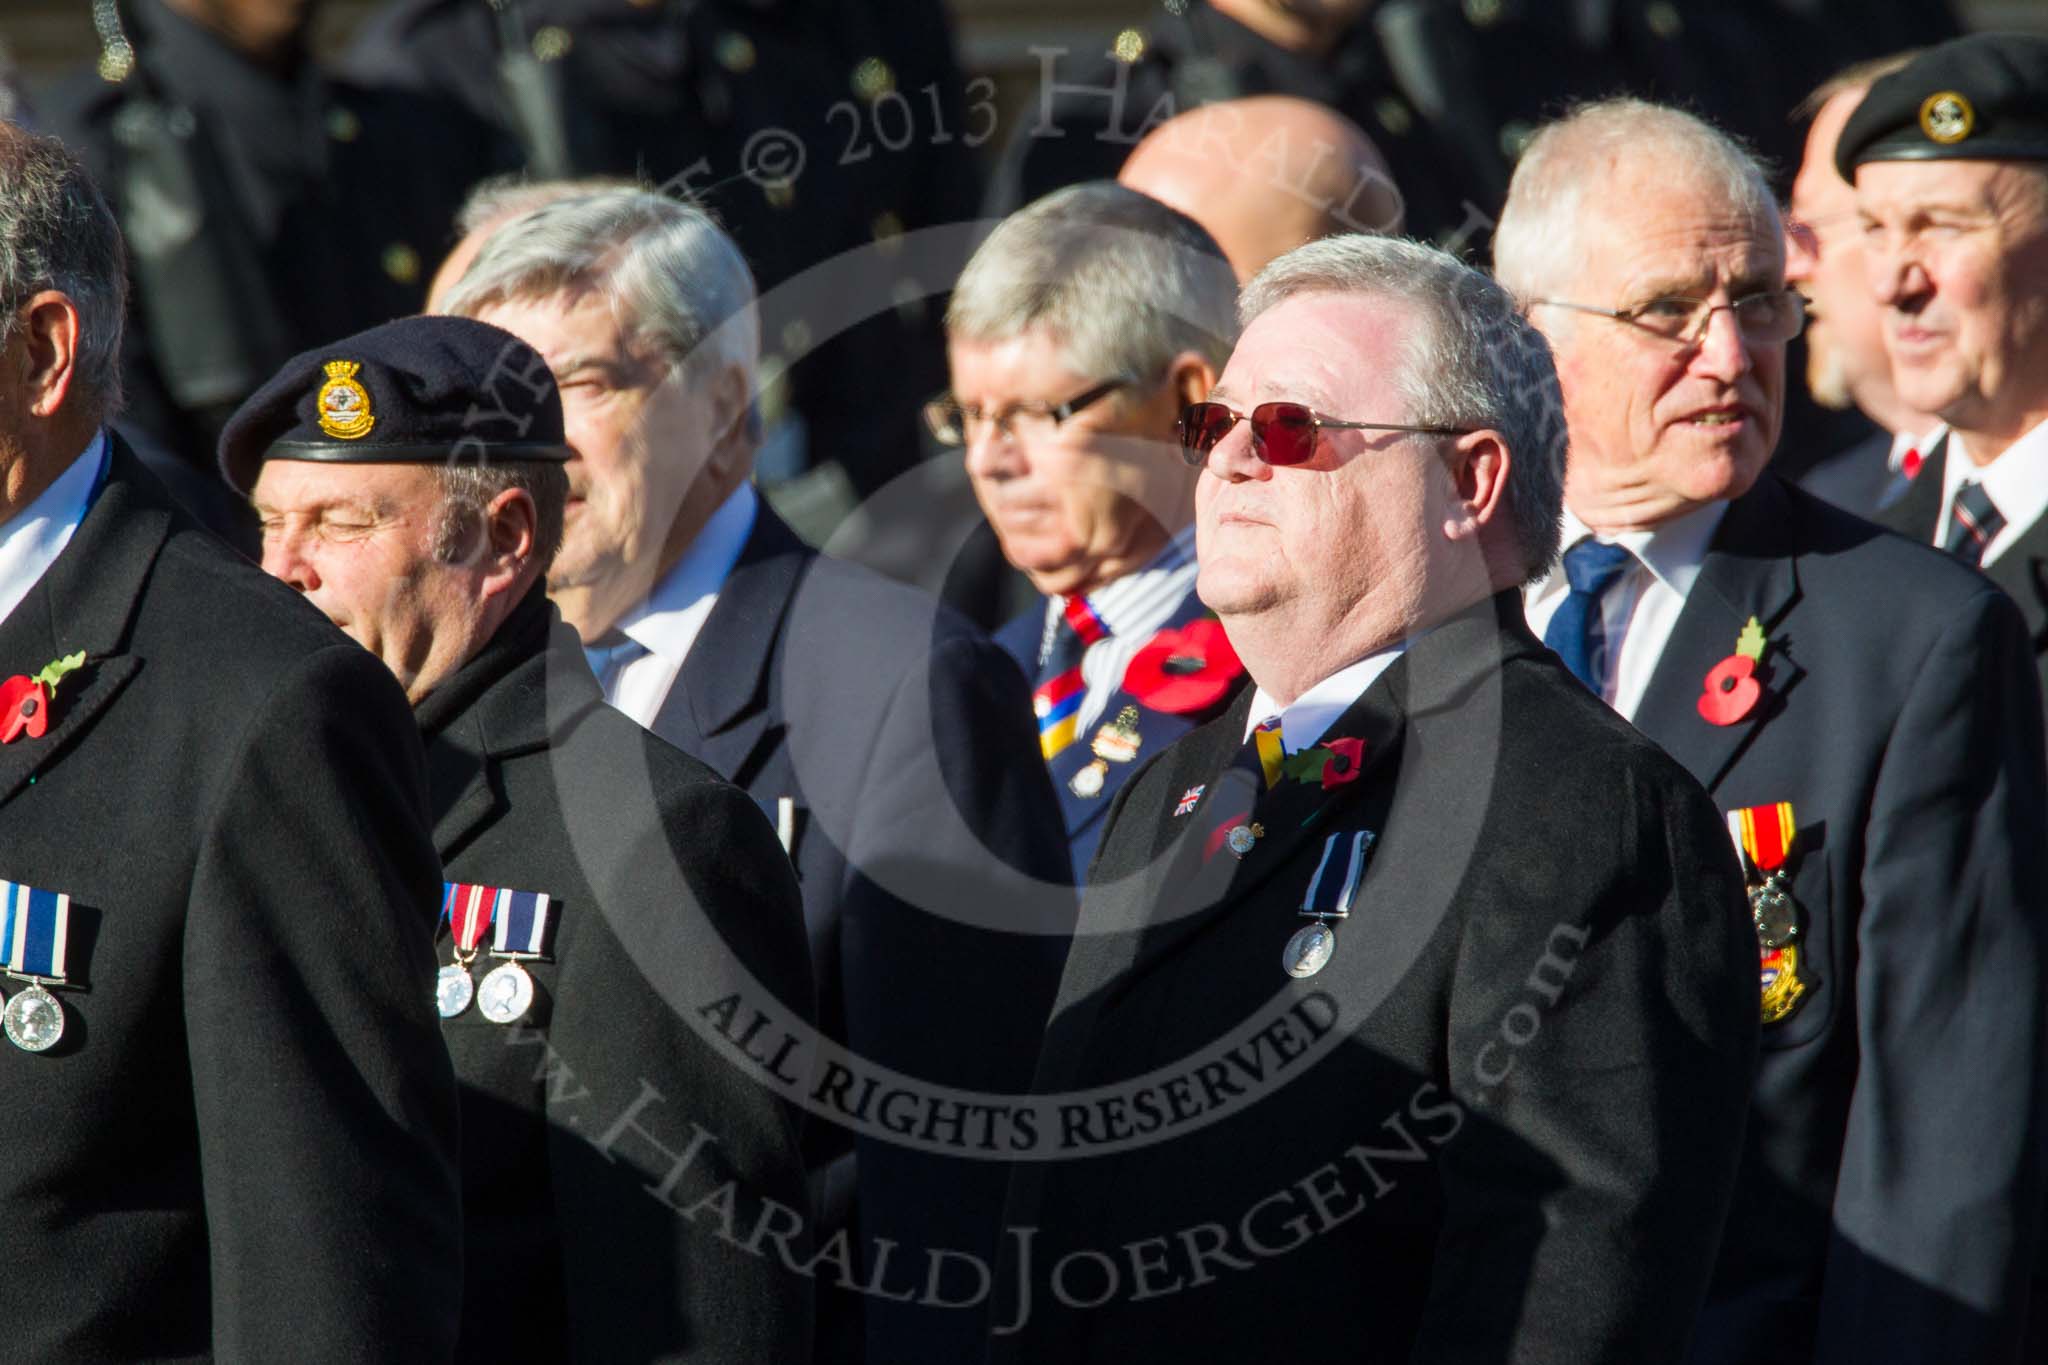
x: 1864, y: 712
x: 1385, y: 973
x: 1075, y: 335
x: 888, y: 741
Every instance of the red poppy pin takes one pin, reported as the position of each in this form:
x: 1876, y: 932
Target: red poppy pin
x: 1333, y: 763
x: 1185, y: 670
x: 1731, y: 689
x: 25, y: 701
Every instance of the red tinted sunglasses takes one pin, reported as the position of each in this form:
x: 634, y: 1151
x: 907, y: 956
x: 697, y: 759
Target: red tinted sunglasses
x: 1282, y: 433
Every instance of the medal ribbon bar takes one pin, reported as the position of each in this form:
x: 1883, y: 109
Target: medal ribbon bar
x: 469, y: 910
x: 1335, y: 886
x: 522, y: 924
x: 1764, y: 834
x: 36, y: 929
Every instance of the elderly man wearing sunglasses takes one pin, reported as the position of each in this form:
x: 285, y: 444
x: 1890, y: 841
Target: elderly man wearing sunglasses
x: 1075, y: 335
x: 1369, y: 1037
x: 1863, y: 709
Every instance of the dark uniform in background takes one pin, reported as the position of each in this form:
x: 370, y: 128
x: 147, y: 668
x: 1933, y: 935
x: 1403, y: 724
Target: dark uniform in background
x: 266, y: 209
x: 665, y: 893
x: 1451, y: 89
x: 810, y: 128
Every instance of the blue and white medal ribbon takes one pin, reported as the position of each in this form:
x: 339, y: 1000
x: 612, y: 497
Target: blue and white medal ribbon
x: 33, y: 935
x: 1329, y: 897
x: 506, y: 993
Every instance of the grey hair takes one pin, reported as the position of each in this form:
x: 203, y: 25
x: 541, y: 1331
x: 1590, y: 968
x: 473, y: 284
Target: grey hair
x: 1475, y: 361
x: 1537, y: 249
x: 671, y: 275
x: 511, y: 194
x: 467, y: 491
x: 57, y: 233
x: 1121, y: 282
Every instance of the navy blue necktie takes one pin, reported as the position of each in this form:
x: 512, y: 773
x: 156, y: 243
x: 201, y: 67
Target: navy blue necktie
x: 1577, y: 632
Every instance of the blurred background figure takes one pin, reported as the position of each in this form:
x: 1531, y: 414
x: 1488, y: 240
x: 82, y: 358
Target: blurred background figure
x: 491, y: 204
x: 1846, y: 364
x: 268, y: 204
x: 1076, y: 335
x: 1266, y: 174
x: 809, y: 128
x: 1093, y: 108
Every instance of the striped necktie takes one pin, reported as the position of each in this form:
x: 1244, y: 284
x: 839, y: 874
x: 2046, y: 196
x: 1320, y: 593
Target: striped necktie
x: 1973, y: 523
x: 1058, y: 696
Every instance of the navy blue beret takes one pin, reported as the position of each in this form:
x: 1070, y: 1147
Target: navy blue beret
x: 1980, y: 98
x: 422, y: 390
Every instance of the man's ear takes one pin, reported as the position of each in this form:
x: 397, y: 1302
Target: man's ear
x: 1190, y: 377
x: 50, y: 331
x: 734, y: 424
x: 1479, y: 464
x: 511, y: 524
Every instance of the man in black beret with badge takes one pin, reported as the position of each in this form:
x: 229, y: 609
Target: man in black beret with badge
x: 227, y: 1128
x: 606, y: 895
x: 1950, y: 162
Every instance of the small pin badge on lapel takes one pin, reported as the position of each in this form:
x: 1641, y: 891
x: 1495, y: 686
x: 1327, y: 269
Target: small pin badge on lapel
x: 25, y: 701
x: 1241, y: 839
x: 1189, y: 799
x: 1731, y: 689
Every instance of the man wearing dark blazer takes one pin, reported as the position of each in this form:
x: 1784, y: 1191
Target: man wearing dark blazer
x: 605, y: 893
x: 1962, y: 320
x: 1369, y: 1045
x: 230, y: 1125
x: 889, y: 742
x: 1068, y: 434
x: 1863, y: 711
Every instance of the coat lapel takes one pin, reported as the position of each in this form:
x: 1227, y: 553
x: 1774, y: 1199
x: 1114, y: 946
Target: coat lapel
x: 1745, y: 574
x: 719, y: 708
x: 2022, y: 570
x: 1917, y: 509
x: 84, y: 602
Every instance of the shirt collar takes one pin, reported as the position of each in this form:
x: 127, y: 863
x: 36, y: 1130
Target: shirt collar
x: 1141, y: 601
x: 32, y: 538
x: 663, y: 622
x: 2016, y: 482
x: 1316, y: 710
x: 1673, y: 551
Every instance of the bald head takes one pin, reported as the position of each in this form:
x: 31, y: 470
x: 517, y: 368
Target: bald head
x: 1265, y: 175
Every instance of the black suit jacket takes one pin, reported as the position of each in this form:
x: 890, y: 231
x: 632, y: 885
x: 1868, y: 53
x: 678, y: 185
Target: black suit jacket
x: 244, y: 1144
x: 1501, y: 1124
x: 1899, y: 716
x: 922, y: 828
x: 669, y: 895
x: 2022, y: 569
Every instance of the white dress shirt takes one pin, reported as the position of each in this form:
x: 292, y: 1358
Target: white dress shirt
x: 2016, y: 482
x: 32, y: 538
x: 1312, y: 713
x: 1132, y: 609
x: 666, y: 624
x: 1640, y: 608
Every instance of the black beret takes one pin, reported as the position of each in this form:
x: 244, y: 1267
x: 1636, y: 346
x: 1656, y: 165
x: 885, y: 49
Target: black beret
x: 1980, y: 98
x: 423, y: 390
